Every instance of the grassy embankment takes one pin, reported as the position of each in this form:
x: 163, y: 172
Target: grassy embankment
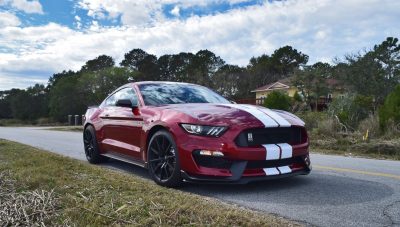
x: 37, y: 186
x: 328, y: 137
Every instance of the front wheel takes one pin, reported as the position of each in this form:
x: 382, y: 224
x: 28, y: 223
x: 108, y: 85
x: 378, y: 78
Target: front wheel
x: 163, y: 160
x: 92, y: 151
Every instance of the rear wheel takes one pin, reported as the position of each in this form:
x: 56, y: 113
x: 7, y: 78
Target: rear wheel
x: 163, y: 160
x: 92, y: 151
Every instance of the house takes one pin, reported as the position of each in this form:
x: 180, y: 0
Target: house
x: 283, y: 85
x: 286, y: 86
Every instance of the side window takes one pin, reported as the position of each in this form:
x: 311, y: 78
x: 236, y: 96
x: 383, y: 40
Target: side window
x: 124, y: 93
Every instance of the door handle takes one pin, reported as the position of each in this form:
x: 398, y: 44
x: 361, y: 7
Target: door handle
x: 105, y: 116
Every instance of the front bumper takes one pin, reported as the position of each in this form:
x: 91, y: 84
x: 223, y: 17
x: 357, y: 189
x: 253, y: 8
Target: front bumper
x: 238, y: 171
x: 234, y: 180
x: 239, y: 164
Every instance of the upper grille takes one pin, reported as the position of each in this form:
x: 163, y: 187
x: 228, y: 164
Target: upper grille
x: 258, y: 136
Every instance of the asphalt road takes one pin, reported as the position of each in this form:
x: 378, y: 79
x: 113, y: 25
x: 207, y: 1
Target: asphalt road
x: 340, y: 191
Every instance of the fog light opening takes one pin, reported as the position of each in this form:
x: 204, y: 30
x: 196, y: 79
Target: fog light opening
x: 211, y: 153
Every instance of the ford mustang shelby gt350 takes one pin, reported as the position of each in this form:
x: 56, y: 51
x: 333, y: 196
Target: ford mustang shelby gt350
x: 186, y: 132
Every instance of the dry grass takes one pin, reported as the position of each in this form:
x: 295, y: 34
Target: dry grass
x: 27, y: 208
x: 82, y: 194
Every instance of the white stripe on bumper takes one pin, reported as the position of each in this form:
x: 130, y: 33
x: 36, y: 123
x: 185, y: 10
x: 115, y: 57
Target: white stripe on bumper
x: 271, y: 171
x: 287, y: 150
x: 284, y: 169
x: 276, y: 152
x: 272, y: 152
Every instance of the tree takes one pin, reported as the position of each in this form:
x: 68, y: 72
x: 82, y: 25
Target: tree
x: 57, y: 76
x: 132, y: 58
x: 66, y: 99
x: 375, y: 73
x: 227, y: 81
x: 99, y: 63
x: 29, y: 104
x: 95, y: 86
x: 277, y: 100
x: 286, y: 59
x: 281, y: 64
x: 311, y: 82
x: 390, y: 111
x: 141, y: 61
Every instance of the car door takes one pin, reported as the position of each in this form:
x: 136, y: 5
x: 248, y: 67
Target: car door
x: 122, y: 126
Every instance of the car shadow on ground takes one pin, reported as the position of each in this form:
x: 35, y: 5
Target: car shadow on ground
x: 318, y: 188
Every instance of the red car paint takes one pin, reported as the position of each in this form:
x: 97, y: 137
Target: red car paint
x: 127, y: 131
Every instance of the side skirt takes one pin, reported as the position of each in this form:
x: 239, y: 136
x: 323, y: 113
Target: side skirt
x: 125, y: 158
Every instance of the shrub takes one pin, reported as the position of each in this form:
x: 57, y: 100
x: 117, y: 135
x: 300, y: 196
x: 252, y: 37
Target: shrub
x: 277, y: 100
x: 370, y: 124
x: 390, y: 111
x: 351, y: 109
x: 312, y: 119
x: 297, y: 97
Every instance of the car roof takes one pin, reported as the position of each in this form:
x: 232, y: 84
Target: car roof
x: 161, y: 82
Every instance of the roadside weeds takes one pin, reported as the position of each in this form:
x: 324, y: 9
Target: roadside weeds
x: 71, y: 192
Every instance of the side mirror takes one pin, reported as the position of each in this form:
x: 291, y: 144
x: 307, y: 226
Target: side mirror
x: 125, y: 103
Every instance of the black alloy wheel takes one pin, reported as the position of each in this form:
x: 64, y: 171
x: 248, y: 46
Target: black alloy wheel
x: 91, y: 148
x: 163, y: 160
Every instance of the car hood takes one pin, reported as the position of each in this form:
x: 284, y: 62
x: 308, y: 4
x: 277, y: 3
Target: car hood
x: 236, y: 114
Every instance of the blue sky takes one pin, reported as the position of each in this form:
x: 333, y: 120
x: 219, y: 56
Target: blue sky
x: 41, y: 37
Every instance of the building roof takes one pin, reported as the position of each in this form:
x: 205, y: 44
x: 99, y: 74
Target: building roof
x: 280, y: 84
x: 287, y: 83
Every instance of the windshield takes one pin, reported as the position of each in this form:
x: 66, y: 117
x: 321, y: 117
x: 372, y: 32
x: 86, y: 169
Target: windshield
x: 169, y: 93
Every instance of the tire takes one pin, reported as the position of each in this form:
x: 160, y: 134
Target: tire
x: 92, y: 151
x: 163, y: 160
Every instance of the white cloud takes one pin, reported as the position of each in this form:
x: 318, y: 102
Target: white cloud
x: 8, y: 81
x: 26, y: 6
x: 322, y: 29
x: 8, y: 19
x: 175, y: 11
x: 141, y: 12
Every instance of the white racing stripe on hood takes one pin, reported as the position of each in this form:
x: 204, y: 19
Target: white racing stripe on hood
x: 261, y: 116
x: 281, y: 121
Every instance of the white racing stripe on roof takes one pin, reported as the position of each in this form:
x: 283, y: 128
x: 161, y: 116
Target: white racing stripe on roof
x: 261, y: 116
x: 281, y: 121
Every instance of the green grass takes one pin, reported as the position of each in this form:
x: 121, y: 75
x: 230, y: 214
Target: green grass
x: 92, y: 195
x: 376, y: 148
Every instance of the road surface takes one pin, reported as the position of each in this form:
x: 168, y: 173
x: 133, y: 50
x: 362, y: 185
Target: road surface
x: 340, y: 191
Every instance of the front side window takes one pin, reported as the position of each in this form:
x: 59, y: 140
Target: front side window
x: 124, y: 93
x: 156, y: 94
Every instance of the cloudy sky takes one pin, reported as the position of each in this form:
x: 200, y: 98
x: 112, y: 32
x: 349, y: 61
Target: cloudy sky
x: 40, y: 37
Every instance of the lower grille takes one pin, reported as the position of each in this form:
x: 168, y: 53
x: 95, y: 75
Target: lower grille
x: 223, y: 163
x: 274, y: 163
x: 212, y: 162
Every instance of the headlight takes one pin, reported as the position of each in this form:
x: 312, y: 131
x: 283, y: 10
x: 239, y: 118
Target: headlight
x: 203, y: 130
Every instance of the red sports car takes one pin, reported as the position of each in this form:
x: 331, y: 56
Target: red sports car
x: 186, y: 132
